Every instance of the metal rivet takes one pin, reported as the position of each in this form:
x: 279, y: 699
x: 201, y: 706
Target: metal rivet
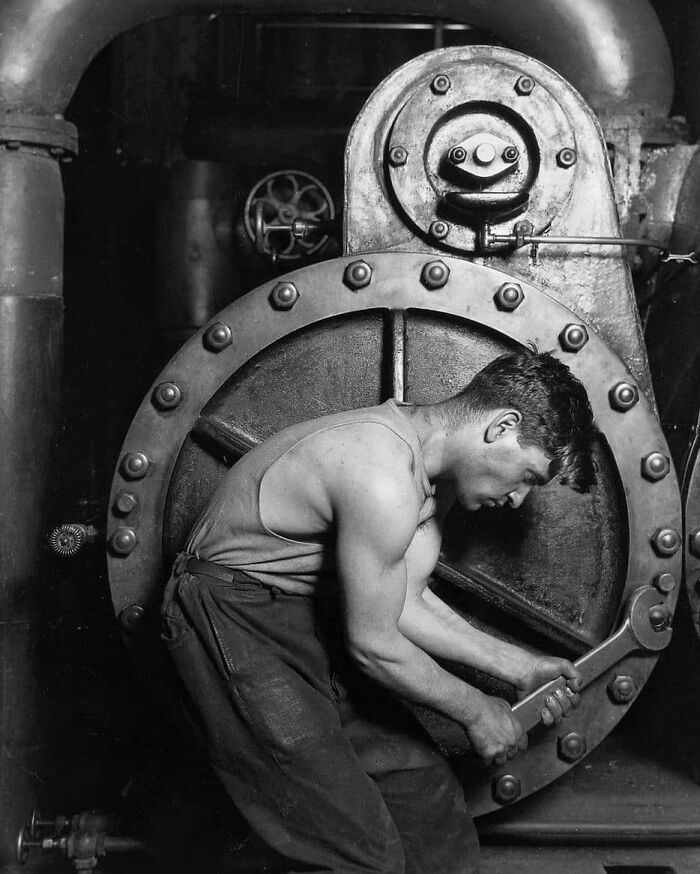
x: 572, y: 746
x: 398, y: 156
x: 666, y: 542
x: 566, y: 158
x: 509, y: 296
x: 665, y: 583
x: 623, y: 396
x: 622, y: 689
x: 122, y: 541
x: 434, y: 274
x: 659, y: 617
x: 167, y: 396
x: 439, y: 230
x: 284, y: 295
x: 510, y: 154
x: 125, y: 503
x: 573, y: 338
x: 134, y: 465
x: 655, y: 466
x: 506, y: 789
x: 357, y: 275
x: 694, y: 542
x: 525, y: 85
x: 217, y: 337
x: 441, y: 84
x: 132, y: 617
x: 457, y: 155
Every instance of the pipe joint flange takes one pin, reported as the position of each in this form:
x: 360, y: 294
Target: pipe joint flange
x: 23, y: 130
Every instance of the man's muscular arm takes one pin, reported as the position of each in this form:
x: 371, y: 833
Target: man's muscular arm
x: 376, y: 514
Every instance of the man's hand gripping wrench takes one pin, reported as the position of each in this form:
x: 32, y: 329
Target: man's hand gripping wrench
x: 642, y: 629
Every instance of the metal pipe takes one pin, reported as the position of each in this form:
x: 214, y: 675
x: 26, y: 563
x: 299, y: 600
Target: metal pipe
x: 601, y: 833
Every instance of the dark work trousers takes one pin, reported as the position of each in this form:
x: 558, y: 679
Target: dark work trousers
x: 328, y: 768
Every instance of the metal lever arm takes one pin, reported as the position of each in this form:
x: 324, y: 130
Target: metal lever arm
x: 636, y: 633
x: 300, y: 229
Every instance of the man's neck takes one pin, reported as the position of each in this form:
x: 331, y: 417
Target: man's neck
x: 435, y: 437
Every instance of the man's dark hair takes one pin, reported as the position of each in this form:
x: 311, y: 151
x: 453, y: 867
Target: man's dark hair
x: 556, y: 412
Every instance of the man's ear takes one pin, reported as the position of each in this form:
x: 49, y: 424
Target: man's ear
x: 503, y: 421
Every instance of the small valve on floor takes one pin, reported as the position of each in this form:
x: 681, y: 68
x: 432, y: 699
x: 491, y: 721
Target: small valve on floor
x: 68, y: 539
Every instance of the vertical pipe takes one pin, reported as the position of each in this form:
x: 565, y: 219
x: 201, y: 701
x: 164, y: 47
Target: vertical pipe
x: 31, y: 323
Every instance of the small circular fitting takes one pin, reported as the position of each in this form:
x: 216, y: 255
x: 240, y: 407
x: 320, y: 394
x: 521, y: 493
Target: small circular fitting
x: 357, y: 275
x: 665, y: 583
x: 571, y: 746
x: 167, y: 396
x: 484, y: 154
x: 694, y: 542
x: 434, y: 274
x: 666, y: 542
x: 134, y: 465
x: 506, y: 789
x: 132, y: 617
x: 573, y: 338
x: 441, y: 84
x: 525, y: 85
x: 122, y: 541
x: 510, y: 154
x: 655, y: 466
x: 622, y: 689
x: 566, y: 157
x: 217, y: 337
x: 439, y: 230
x: 398, y: 156
x: 457, y: 155
x: 284, y: 295
x: 125, y: 503
x: 659, y: 617
x: 509, y: 296
x: 623, y: 396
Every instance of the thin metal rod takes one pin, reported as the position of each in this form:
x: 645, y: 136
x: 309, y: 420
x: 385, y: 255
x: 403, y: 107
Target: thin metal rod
x: 398, y: 354
x: 563, y: 833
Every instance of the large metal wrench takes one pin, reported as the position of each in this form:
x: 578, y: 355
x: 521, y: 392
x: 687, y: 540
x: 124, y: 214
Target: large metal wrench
x: 642, y: 629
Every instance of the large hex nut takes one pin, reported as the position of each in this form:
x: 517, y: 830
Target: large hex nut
x: 122, y: 541
x: 125, y: 503
x: 525, y: 85
x: 571, y: 746
x: 573, y: 338
x: 357, y: 275
x: 506, y: 789
x: 134, y: 465
x: 694, y: 542
x: 655, y: 466
x: 217, y: 337
x: 284, y: 295
x: 398, y: 156
x: 623, y: 396
x: 622, y: 689
x: 439, y: 229
x: 434, y: 275
x: 509, y: 296
x: 566, y: 157
x: 441, y: 84
x: 666, y: 542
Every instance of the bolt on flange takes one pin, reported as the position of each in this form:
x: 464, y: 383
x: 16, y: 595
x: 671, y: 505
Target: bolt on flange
x: 125, y: 503
x: 665, y: 582
x: 573, y: 338
x: 666, y: 542
x: 566, y: 157
x: 457, y: 154
x: 509, y: 296
x: 623, y: 396
x: 284, y: 295
x: 694, y: 542
x: 510, y: 154
x: 439, y: 229
x: 123, y: 541
x: 525, y: 85
x: 622, y: 689
x: 167, y: 396
x: 434, y: 275
x: 132, y: 617
x: 571, y: 746
x: 441, y: 84
x: 217, y: 337
x: 357, y: 275
x: 398, y: 156
x: 134, y: 465
x: 655, y: 466
x: 506, y: 789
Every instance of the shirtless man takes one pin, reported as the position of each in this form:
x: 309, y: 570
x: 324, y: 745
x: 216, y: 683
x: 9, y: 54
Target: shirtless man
x: 300, y: 618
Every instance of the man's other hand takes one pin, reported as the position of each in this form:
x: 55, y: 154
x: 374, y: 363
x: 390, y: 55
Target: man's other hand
x: 495, y: 734
x: 564, y: 699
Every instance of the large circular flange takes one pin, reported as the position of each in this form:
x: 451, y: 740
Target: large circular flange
x: 139, y: 576
x: 429, y: 125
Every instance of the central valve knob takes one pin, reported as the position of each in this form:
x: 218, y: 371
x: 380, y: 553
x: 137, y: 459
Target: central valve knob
x: 484, y: 154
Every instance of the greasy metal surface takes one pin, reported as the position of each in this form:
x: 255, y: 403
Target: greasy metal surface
x: 614, y: 51
x: 275, y: 372
x: 593, y: 281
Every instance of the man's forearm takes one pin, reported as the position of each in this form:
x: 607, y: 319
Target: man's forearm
x: 434, y: 627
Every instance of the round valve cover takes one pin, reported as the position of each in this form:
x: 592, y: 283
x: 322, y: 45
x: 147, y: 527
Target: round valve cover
x: 349, y: 333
